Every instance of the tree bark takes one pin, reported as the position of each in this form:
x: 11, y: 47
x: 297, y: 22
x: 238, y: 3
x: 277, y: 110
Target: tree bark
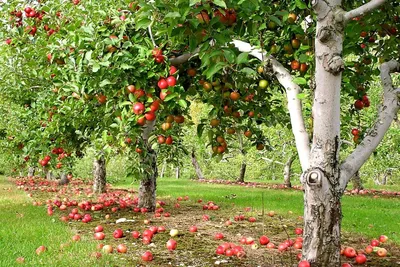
x: 287, y: 171
x: 357, y: 182
x: 177, y: 172
x: 196, y: 166
x: 99, y: 175
x: 242, y: 172
x: 148, y: 184
x: 63, y: 179
x: 49, y: 175
x: 31, y: 171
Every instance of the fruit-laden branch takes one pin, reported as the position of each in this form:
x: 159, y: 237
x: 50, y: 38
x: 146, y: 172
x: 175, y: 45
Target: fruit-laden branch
x: 368, y: 7
x: 294, y: 103
x: 386, y: 114
x: 292, y: 90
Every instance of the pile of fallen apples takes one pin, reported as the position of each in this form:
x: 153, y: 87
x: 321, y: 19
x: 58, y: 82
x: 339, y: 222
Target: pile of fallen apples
x: 114, y: 200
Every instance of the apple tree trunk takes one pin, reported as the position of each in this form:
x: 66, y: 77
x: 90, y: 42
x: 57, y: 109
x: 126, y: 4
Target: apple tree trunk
x: 31, y: 171
x: 63, y: 179
x: 242, y: 172
x: 99, y: 175
x: 148, y: 184
x: 287, y: 171
x: 196, y: 166
x: 357, y: 182
x: 322, y: 206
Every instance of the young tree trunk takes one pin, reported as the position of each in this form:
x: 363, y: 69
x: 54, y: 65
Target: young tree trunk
x: 31, y: 171
x: 63, y: 179
x: 244, y: 165
x: 242, y: 172
x: 163, y: 168
x: 196, y: 166
x: 49, y: 175
x: 357, y: 183
x: 99, y: 175
x: 287, y: 171
x: 148, y: 184
x: 177, y: 172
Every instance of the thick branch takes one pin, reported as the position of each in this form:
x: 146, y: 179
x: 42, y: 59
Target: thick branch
x: 386, y: 114
x: 366, y: 8
x: 294, y: 104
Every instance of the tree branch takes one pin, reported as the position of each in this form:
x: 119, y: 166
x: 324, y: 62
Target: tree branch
x: 294, y: 104
x: 183, y: 58
x: 386, y: 114
x: 368, y: 7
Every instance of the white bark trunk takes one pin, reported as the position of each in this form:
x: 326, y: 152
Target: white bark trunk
x: 177, y: 172
x: 163, y: 168
x: 386, y: 114
x: 294, y: 104
x: 322, y: 208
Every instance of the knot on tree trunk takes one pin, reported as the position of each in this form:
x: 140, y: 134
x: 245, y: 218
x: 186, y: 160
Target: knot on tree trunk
x: 333, y: 64
x: 325, y: 34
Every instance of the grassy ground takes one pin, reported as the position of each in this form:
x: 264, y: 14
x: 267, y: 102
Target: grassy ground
x: 24, y: 227
x: 363, y: 215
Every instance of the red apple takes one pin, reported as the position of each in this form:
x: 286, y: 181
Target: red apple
x: 349, y: 252
x: 99, y: 228
x: 219, y: 236
x: 304, y: 264
x: 118, y: 233
x: 147, y: 256
x: 171, y: 245
x: 383, y: 238
x: 375, y: 243
x: 76, y: 238
x: 381, y: 252
x: 40, y: 250
x: 193, y: 229
x: 264, y: 240
x: 361, y: 259
x: 121, y: 248
x: 135, y: 234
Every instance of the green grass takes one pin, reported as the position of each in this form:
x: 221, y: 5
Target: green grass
x: 362, y: 215
x: 24, y: 227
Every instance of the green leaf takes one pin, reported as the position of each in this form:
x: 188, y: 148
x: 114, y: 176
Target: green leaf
x: 96, y: 67
x: 242, y: 58
x: 182, y: 103
x: 300, y: 4
x: 105, y: 82
x: 200, y: 129
x: 173, y: 15
x: 143, y: 23
x: 170, y: 96
x: 193, y: 2
x: 276, y: 20
x: 214, y: 69
x: 88, y: 55
x: 299, y: 80
x: 229, y: 55
x: 220, y: 3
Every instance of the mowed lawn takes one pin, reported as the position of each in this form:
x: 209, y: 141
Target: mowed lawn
x: 362, y: 215
x: 24, y: 227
